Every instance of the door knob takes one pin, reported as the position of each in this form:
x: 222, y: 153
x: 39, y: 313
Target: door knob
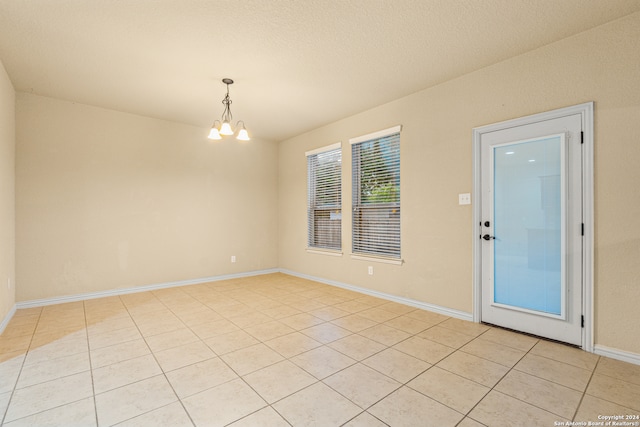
x: 487, y: 223
x: 487, y: 237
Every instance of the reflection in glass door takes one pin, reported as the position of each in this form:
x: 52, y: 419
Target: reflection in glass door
x: 528, y: 225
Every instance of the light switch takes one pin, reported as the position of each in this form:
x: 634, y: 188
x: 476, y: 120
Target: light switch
x: 464, y: 199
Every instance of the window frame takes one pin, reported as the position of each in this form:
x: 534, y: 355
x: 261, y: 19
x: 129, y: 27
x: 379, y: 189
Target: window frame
x: 357, y: 205
x: 313, y: 207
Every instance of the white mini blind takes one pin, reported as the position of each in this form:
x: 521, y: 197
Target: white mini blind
x: 324, y: 201
x: 376, y: 194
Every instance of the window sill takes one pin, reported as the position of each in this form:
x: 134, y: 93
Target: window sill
x: 394, y: 261
x: 328, y: 252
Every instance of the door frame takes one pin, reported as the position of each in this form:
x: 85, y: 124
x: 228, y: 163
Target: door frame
x: 586, y: 112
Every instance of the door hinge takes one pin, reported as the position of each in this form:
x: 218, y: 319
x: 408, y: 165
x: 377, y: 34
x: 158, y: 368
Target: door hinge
x: 581, y: 137
x: 582, y: 321
x: 583, y: 228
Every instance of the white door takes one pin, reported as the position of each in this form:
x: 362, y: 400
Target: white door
x: 531, y: 228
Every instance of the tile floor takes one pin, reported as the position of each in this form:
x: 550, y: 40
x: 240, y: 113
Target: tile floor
x: 277, y: 350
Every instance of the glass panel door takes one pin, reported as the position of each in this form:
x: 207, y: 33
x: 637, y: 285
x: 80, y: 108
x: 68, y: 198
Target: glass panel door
x: 529, y: 225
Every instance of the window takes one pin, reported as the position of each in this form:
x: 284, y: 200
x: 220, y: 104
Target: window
x: 324, y: 202
x: 376, y: 193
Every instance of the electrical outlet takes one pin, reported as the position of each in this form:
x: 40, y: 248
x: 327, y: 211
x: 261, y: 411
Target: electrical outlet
x: 233, y: 258
x: 370, y: 270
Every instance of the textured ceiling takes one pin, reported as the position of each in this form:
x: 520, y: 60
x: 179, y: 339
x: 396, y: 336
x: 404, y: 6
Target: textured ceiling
x: 298, y: 64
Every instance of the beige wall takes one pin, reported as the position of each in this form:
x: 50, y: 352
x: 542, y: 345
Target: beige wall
x: 601, y: 65
x: 7, y: 194
x: 108, y: 200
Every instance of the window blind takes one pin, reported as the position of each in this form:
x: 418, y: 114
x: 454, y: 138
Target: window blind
x: 376, y: 194
x: 324, y: 202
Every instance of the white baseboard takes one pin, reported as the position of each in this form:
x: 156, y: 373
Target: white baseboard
x: 7, y: 319
x: 145, y: 288
x: 614, y: 353
x: 407, y: 301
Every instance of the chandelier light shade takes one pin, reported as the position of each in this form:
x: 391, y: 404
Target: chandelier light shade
x: 223, y: 126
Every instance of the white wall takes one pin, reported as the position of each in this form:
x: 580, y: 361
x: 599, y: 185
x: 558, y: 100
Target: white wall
x: 108, y: 200
x: 7, y: 194
x: 601, y: 65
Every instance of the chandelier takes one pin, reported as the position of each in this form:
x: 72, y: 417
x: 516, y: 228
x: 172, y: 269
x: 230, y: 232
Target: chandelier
x: 223, y: 126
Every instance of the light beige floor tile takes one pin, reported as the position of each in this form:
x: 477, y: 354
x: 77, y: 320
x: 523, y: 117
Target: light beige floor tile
x: 265, y: 417
x: 554, y: 371
x: 9, y: 371
x: 445, y: 336
x: 223, y: 344
x: 591, y: 408
x: 269, y: 330
x: 322, y: 361
x: 48, y: 370
x: 397, y: 308
x: 362, y: 385
x: 125, y: 372
x: 177, y: 357
x: 249, y: 319
x: 357, y: 346
x: 353, y: 306
x: 4, y: 401
x: 510, y: 339
x: 328, y: 313
x: 117, y: 353
x: 326, y: 332
x: 614, y: 390
x: 114, y: 337
x: 498, y: 409
x: 15, y: 329
x: 552, y: 397
x: 159, y: 325
x: 200, y: 376
x: 11, y: 344
x: 465, y: 327
x: 385, y: 334
x: 317, y: 405
x: 55, y: 348
x: 397, y: 365
x: 301, y: 321
x: 365, y: 419
x: 199, y: 317
x: 133, y: 400
x: 427, y: 316
x: 498, y: 353
x: 566, y: 354
x: 279, y: 380
x: 172, y: 415
x: 429, y: 351
x: 281, y: 312
x: 292, y: 344
x: 110, y: 324
x: 372, y: 301
x: 354, y: 323
x: 408, y: 324
x: 377, y: 314
x: 80, y: 413
x: 33, y: 311
x: 41, y: 397
x: 307, y: 305
x: 215, y: 328
x: 237, y: 311
x: 474, y: 368
x: 171, y: 339
x: 233, y: 400
x: 251, y: 359
x: 468, y: 422
x: 449, y: 389
x: 619, y: 370
x: 406, y: 407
